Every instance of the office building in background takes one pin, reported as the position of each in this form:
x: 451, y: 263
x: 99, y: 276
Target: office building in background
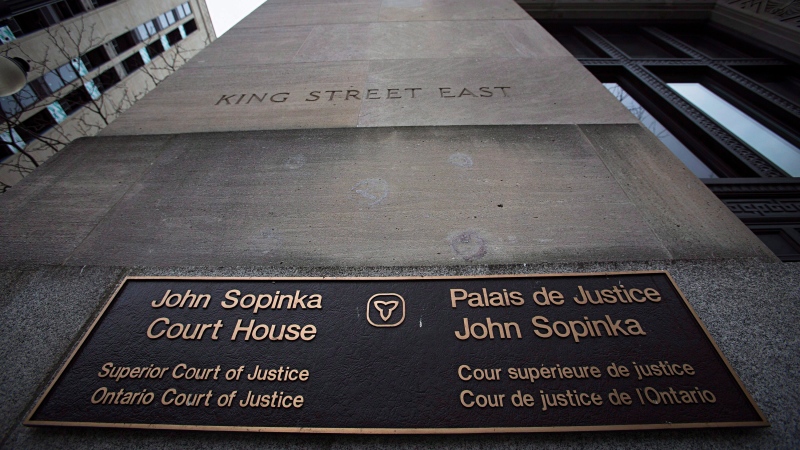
x: 90, y: 60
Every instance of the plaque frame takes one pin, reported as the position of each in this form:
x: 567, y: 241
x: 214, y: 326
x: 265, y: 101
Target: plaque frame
x: 763, y: 422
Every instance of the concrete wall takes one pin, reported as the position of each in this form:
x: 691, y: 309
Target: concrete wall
x: 305, y: 47
x: 554, y: 177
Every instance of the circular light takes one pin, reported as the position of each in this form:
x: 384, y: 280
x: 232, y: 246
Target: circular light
x: 13, y: 73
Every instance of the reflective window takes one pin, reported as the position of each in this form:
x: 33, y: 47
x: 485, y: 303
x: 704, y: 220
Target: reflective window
x: 53, y: 81
x: 684, y: 154
x: 141, y: 30
x: 637, y: 45
x: 95, y: 58
x: 711, y: 46
x: 190, y: 26
x: 16, y: 103
x: 781, y: 80
x: 760, y: 138
x: 33, y: 127
x: 151, y: 27
x: 173, y: 37
x: 155, y: 49
x: 9, y: 105
x: 26, y: 97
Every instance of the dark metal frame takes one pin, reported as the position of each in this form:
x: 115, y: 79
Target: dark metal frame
x: 762, y: 195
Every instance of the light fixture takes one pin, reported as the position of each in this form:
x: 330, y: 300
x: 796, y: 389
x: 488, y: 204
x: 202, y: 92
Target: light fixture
x: 13, y: 75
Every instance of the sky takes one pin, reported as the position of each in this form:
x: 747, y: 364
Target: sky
x: 226, y: 13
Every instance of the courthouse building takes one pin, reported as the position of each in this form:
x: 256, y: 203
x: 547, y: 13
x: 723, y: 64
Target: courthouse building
x: 435, y: 137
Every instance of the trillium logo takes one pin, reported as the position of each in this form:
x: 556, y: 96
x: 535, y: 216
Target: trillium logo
x: 386, y: 310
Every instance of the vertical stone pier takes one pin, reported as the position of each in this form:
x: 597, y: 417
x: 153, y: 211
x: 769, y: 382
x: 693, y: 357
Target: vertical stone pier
x: 380, y: 137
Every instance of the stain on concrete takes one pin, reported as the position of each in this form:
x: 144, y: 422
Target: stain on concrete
x: 295, y: 162
x: 460, y: 160
x: 468, y: 244
x: 371, y: 191
x: 264, y: 241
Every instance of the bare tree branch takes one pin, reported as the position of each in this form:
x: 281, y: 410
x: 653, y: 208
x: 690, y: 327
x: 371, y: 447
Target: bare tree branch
x: 60, y: 59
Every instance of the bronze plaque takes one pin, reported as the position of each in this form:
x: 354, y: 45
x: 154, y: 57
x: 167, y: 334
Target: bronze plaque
x: 577, y: 352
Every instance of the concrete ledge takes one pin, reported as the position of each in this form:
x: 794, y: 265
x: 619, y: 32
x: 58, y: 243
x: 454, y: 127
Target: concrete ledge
x: 373, y: 196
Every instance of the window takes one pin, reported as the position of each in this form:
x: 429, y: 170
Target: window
x: 162, y: 22
x: 183, y: 10
x: 35, y: 125
x: 5, y: 152
x: 155, y: 49
x: 99, y: 3
x: 134, y: 62
x: 684, y: 154
x: 74, y: 100
x: 41, y: 18
x: 651, y: 63
x: 107, y: 79
x: 636, y: 44
x: 142, y: 33
x: 60, y: 77
x: 125, y: 42
x: 190, y: 27
x: 66, y: 9
x: 152, y: 27
x: 95, y: 58
x: 31, y: 21
x: 782, y: 242
x: 783, y: 80
x: 18, y: 102
x: 26, y: 97
x: 174, y: 36
x: 771, y: 146
x: 9, y: 106
x: 727, y: 108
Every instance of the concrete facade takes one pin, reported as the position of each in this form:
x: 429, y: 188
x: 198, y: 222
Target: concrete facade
x: 549, y: 174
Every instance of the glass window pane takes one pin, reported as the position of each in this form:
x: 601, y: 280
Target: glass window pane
x: 636, y: 45
x: 141, y: 30
x: 53, y: 81
x: 576, y: 46
x: 762, y: 139
x: 712, y: 47
x: 684, y: 154
x: 9, y: 105
x: 67, y: 73
x: 778, y: 79
x: 170, y: 17
x: 26, y: 96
